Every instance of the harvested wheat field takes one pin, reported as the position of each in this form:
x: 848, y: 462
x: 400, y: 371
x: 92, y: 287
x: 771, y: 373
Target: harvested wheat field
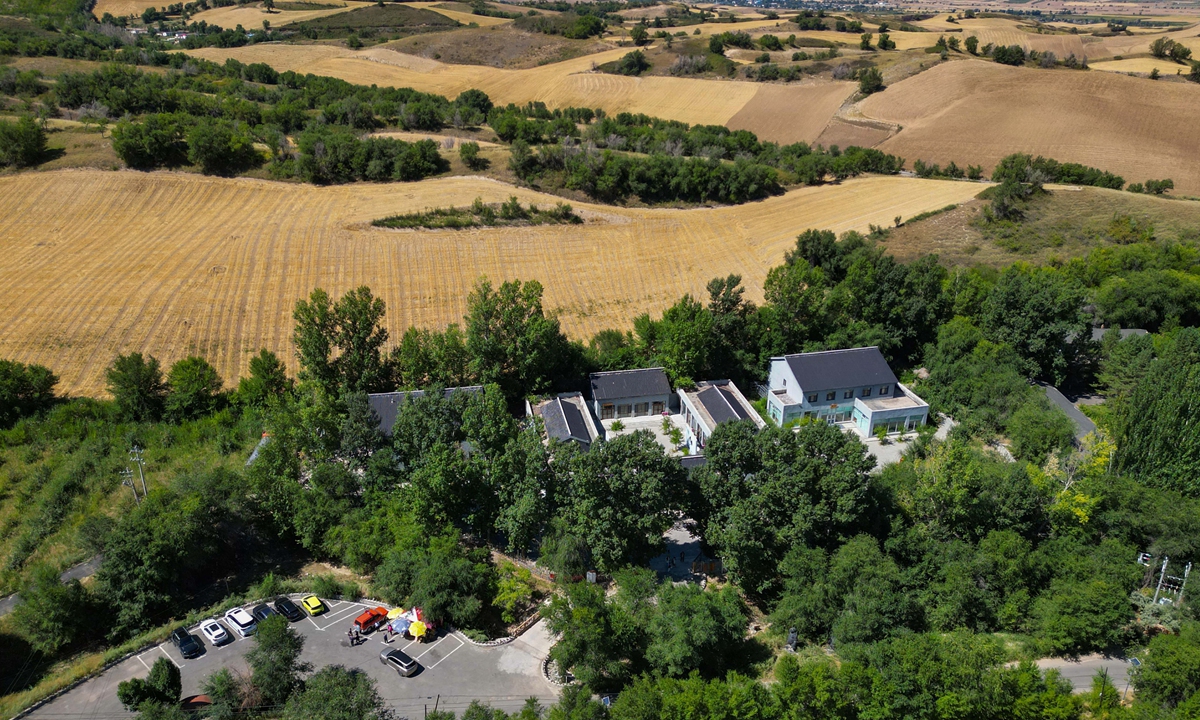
x: 191, y: 264
x: 252, y: 16
x: 784, y: 113
x: 466, y: 18
x: 125, y: 7
x: 964, y: 111
x: 1141, y: 65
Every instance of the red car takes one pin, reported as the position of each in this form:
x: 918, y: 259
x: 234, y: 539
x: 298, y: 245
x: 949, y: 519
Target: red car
x: 371, y: 620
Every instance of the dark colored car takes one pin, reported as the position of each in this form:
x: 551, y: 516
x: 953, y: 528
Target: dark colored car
x: 399, y: 661
x: 189, y: 646
x: 290, y: 610
x: 262, y: 611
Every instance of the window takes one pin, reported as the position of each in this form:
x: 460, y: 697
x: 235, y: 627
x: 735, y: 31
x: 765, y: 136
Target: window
x: 607, y: 412
x: 641, y: 409
x: 866, y: 392
x: 812, y: 398
x: 658, y: 408
x: 848, y: 394
x: 831, y: 395
x: 624, y: 411
x: 884, y: 390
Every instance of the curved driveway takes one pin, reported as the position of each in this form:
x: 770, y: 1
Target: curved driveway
x: 453, y: 670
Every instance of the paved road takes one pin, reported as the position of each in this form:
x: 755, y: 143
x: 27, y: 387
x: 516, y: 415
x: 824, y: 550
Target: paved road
x: 453, y: 671
x: 1081, y: 672
x: 85, y: 569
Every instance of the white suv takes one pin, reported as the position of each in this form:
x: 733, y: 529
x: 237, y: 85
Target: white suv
x: 240, y: 622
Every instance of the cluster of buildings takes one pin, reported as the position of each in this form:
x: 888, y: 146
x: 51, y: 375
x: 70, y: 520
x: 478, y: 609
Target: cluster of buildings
x: 854, y: 389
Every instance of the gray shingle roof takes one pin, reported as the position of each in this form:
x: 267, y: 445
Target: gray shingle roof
x: 386, y: 406
x: 834, y: 369
x: 629, y: 384
x: 1098, y: 333
x: 721, y: 404
x: 564, y: 422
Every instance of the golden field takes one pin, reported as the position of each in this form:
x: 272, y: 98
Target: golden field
x: 783, y: 113
x: 96, y: 263
x: 977, y: 112
x: 252, y: 16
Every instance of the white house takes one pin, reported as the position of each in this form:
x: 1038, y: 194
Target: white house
x: 709, y: 404
x: 630, y: 393
x: 852, y: 387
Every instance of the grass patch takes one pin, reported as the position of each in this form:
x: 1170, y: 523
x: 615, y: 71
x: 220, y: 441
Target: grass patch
x: 481, y: 214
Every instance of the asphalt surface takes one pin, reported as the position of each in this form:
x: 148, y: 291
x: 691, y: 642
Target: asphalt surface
x: 452, y: 673
x: 83, y: 570
x: 1082, y: 671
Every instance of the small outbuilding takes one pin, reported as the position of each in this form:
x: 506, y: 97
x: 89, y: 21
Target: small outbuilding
x: 565, y: 417
x: 709, y: 404
x: 630, y: 393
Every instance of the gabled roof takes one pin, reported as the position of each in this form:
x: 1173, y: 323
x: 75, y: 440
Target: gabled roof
x: 629, y: 384
x: 1099, y: 333
x: 840, y: 369
x: 721, y: 404
x: 386, y: 406
x: 564, y: 421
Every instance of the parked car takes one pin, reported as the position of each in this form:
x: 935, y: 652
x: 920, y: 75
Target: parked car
x: 189, y: 645
x: 215, y: 633
x: 262, y: 611
x: 313, y: 605
x: 285, y: 607
x: 399, y: 661
x: 371, y: 620
x: 240, y: 622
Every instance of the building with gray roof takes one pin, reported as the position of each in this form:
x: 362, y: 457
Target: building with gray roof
x: 629, y: 393
x: 565, y: 418
x: 709, y: 404
x: 853, y: 387
x: 386, y: 406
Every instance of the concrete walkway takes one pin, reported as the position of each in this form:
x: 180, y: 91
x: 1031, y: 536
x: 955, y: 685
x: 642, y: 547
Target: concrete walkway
x: 1080, y: 672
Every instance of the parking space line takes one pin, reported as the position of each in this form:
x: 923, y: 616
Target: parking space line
x: 439, y: 662
x: 339, y: 616
x: 164, y: 652
x: 431, y: 647
x: 143, y: 662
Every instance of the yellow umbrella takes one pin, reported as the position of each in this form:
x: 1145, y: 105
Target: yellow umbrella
x: 417, y: 629
x: 395, y: 613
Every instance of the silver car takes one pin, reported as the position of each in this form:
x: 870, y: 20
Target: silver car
x: 400, y: 661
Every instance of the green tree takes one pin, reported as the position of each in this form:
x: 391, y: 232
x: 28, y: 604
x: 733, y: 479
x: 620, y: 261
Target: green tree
x: 1037, y: 312
x: 449, y: 583
x: 335, y: 693
x: 864, y: 41
x: 695, y: 630
x: 510, y: 339
x: 162, y: 687
x: 24, y: 390
x: 220, y: 147
x: 1038, y: 429
x: 268, y: 380
x: 762, y: 493
x: 469, y: 153
x: 639, y: 35
x: 1153, y: 428
x: 633, y: 63
x: 870, y: 81
x: 592, y: 641
x: 972, y: 44
x: 50, y: 614
x: 353, y: 328
x: 194, y: 389
x: 137, y: 387
x: 22, y: 143
x: 274, y: 661
x: 1169, y: 674
x: 621, y: 497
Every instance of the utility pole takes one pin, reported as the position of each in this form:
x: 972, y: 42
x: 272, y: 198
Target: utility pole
x: 1161, y: 574
x: 127, y: 479
x: 136, y: 455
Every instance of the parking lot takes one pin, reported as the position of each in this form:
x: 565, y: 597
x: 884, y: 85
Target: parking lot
x: 452, y: 672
